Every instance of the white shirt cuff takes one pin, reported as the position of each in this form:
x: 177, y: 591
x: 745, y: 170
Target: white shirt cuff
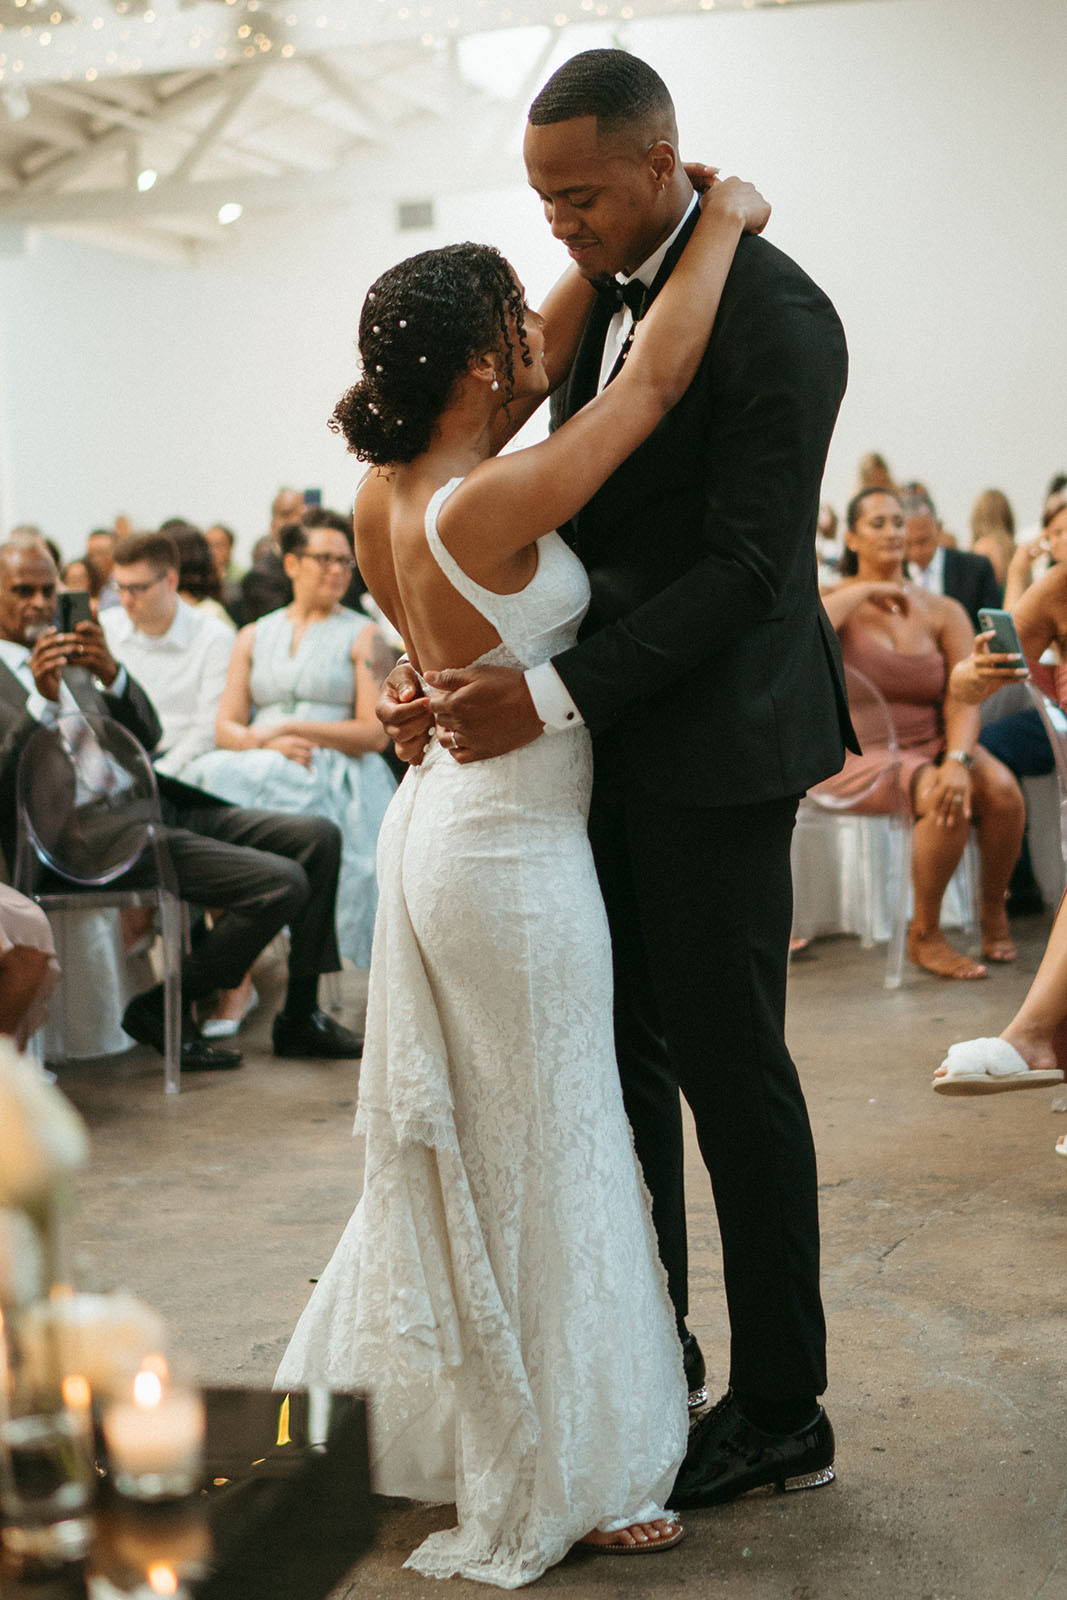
x: 117, y: 687
x: 552, y: 702
x: 40, y: 709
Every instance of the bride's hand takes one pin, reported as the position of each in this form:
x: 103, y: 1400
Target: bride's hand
x: 700, y: 176
x: 740, y: 199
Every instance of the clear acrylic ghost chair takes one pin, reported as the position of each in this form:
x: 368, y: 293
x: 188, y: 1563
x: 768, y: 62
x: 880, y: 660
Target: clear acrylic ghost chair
x: 884, y: 864
x: 873, y: 722
x: 88, y: 814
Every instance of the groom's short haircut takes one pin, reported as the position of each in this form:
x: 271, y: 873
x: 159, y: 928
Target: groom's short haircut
x: 620, y: 90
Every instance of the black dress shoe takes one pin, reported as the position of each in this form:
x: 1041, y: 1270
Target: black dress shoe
x: 696, y: 1375
x: 728, y: 1456
x: 143, y: 1021
x: 315, y: 1036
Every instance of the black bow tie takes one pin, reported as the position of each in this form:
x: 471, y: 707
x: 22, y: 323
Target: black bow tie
x: 632, y: 293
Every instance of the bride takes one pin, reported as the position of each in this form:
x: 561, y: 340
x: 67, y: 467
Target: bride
x: 497, y: 1290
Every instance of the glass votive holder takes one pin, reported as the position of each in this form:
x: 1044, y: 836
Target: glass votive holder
x: 154, y: 1436
x: 47, y: 1482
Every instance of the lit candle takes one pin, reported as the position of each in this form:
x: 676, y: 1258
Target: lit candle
x: 154, y: 1439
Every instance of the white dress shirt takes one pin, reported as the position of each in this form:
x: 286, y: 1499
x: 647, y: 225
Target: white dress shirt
x: 183, y: 672
x: 932, y: 576
x: 550, y: 696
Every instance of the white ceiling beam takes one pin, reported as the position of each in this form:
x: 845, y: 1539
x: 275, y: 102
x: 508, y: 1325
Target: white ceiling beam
x: 346, y: 91
x: 388, y: 174
x: 61, y: 132
x: 91, y: 105
x: 212, y: 132
x: 69, y: 168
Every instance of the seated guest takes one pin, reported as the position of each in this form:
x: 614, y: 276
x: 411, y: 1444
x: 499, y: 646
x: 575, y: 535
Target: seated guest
x: 1031, y: 1052
x: 1056, y: 491
x: 29, y: 970
x: 296, y: 726
x: 80, y: 575
x: 265, y: 871
x: 906, y: 641
x: 100, y: 548
x: 1033, y: 560
x: 873, y: 473
x: 1020, y: 740
x: 199, y: 584
x: 221, y: 542
x: 962, y: 576
x: 265, y: 586
x: 177, y: 654
x: 993, y: 531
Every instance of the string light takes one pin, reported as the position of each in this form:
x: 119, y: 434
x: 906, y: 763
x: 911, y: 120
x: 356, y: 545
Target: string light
x: 147, y: 179
x: 230, y: 212
x: 64, y: 35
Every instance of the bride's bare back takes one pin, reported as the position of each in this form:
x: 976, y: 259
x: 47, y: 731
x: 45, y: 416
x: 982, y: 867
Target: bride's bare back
x: 439, y: 627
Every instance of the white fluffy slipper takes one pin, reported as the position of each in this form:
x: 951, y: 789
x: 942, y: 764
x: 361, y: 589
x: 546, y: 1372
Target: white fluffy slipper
x: 989, y: 1066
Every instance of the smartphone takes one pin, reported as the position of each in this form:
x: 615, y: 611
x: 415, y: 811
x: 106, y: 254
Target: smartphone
x: 312, y: 497
x: 1005, y: 640
x: 71, y: 608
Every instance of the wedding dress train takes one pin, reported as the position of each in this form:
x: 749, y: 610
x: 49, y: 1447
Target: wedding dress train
x: 497, y: 1291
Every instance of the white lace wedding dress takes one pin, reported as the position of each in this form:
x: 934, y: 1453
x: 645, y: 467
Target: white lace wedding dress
x: 497, y: 1291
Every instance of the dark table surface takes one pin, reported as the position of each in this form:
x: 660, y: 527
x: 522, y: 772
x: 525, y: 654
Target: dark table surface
x: 285, y: 1511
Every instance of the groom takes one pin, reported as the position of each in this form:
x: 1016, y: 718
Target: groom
x: 711, y: 681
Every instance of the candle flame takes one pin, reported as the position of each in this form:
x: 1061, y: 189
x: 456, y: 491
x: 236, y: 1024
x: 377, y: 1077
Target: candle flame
x: 162, y: 1579
x: 147, y: 1389
x: 77, y: 1395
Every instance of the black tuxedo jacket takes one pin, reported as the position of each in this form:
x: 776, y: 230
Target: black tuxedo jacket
x: 132, y: 708
x: 707, y: 667
x: 971, y: 580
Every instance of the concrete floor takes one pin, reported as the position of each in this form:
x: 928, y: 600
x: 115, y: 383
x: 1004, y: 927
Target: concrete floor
x: 944, y: 1243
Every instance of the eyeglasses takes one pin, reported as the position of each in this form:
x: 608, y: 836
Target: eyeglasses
x: 325, y: 560
x: 140, y: 588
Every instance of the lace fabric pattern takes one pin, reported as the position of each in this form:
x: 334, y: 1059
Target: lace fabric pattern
x: 497, y: 1291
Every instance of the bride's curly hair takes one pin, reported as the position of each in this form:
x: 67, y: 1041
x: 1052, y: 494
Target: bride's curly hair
x: 422, y: 324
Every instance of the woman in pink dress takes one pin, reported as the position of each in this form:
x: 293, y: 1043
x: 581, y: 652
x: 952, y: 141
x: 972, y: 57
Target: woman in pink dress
x: 906, y: 642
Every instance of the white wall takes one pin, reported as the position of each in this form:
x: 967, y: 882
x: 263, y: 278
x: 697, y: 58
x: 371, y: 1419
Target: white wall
x: 914, y: 150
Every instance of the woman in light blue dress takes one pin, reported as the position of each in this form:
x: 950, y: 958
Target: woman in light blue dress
x: 296, y: 728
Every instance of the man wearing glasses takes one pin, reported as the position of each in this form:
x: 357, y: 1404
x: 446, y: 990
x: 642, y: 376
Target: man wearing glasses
x: 177, y: 654
x: 261, y: 870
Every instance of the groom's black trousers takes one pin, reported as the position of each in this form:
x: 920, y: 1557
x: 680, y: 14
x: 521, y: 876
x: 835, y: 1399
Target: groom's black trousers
x: 700, y: 905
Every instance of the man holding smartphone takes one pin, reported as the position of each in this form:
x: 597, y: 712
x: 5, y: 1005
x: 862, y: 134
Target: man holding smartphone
x: 261, y: 870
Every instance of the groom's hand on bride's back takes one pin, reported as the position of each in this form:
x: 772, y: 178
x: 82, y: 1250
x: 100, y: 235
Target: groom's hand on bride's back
x: 482, y: 711
x: 404, y: 712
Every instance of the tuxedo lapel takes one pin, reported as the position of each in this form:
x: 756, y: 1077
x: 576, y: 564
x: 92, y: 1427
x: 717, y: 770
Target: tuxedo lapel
x: 584, y: 380
x: 12, y: 692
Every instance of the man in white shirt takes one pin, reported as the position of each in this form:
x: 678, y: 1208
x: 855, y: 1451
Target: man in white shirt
x: 180, y: 656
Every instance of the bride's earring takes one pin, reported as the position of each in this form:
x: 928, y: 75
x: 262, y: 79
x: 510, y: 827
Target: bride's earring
x: 494, y: 384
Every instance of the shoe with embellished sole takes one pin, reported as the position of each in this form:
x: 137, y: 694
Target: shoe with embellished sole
x: 729, y: 1456
x: 696, y: 1375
